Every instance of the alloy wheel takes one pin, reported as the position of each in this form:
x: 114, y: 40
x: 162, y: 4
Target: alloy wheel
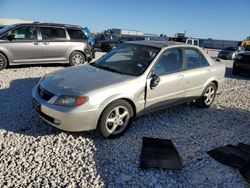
x: 117, y: 120
x: 209, y: 95
x: 77, y: 59
x: 1, y: 61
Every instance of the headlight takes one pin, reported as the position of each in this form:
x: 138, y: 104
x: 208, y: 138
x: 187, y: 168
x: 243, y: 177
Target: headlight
x: 70, y: 101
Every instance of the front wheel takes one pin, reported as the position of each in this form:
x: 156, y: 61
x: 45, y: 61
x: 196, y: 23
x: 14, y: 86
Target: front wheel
x: 3, y: 62
x: 208, y: 96
x: 115, y: 119
x: 76, y: 58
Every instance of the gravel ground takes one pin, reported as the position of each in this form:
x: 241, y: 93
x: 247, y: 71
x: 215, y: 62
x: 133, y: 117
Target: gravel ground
x: 33, y: 154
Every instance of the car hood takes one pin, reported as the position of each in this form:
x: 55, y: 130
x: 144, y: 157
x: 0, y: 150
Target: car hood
x: 81, y: 80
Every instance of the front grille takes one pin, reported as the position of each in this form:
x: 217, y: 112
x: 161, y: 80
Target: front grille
x: 44, y: 94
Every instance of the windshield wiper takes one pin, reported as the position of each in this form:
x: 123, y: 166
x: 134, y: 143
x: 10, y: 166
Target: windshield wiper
x: 93, y: 64
x: 108, y: 68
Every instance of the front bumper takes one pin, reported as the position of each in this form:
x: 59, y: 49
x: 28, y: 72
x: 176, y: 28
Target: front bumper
x: 73, y: 119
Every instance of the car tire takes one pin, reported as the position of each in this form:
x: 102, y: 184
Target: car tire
x: 115, y: 119
x: 208, y: 96
x: 235, y: 71
x: 3, y: 62
x: 76, y: 58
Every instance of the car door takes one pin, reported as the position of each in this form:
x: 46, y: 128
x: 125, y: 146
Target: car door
x: 170, y: 88
x: 23, y: 46
x: 197, y: 72
x: 55, y: 44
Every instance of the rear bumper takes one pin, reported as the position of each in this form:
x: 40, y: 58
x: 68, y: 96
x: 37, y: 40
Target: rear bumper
x: 89, y: 56
x: 74, y: 119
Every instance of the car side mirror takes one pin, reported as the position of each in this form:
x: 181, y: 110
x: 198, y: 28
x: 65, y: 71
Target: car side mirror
x: 11, y: 37
x: 154, y: 81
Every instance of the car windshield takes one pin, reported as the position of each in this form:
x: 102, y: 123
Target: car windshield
x: 112, y: 37
x: 128, y: 59
x: 3, y: 30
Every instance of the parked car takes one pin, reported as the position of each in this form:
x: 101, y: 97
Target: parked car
x: 99, y: 38
x: 38, y: 43
x: 133, y: 79
x: 108, y: 45
x: 91, y: 40
x: 227, y: 53
x: 241, y: 49
x: 242, y: 63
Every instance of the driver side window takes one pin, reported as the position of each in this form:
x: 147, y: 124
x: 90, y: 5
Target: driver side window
x: 24, y: 33
x: 169, y: 62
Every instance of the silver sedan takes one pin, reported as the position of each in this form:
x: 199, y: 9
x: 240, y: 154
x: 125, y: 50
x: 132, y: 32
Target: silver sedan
x: 131, y: 80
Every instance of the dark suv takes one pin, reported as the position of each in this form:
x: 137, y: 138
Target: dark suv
x: 227, y: 53
x: 242, y: 63
x: 37, y: 43
x: 108, y: 45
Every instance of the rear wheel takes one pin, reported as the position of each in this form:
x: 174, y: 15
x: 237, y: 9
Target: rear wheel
x: 208, y: 96
x: 3, y: 62
x: 115, y: 119
x: 76, y: 58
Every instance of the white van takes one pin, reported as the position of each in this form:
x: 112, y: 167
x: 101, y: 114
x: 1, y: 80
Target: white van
x: 195, y: 42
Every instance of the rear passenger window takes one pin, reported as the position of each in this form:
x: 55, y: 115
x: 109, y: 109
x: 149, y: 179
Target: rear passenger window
x: 169, y: 62
x: 194, y: 59
x: 52, y: 33
x: 189, y: 42
x: 76, y: 34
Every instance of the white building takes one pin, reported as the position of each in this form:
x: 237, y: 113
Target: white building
x: 125, y: 32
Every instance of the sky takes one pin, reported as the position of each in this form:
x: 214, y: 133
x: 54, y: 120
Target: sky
x: 217, y: 19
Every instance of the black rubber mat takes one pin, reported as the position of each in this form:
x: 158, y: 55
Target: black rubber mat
x: 159, y: 153
x: 245, y: 172
x: 230, y: 155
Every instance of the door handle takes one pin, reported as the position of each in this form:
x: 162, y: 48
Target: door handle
x: 35, y: 43
x: 45, y: 43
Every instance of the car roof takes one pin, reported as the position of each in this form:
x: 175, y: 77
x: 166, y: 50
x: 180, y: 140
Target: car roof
x: 157, y: 44
x: 50, y: 24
